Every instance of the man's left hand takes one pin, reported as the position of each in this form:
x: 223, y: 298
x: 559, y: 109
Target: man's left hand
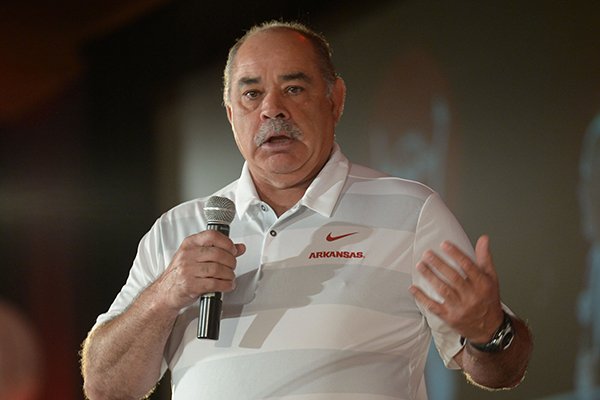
x: 471, y: 297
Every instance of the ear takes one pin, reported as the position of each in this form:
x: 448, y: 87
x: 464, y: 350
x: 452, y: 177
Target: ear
x: 338, y: 98
x: 229, y: 114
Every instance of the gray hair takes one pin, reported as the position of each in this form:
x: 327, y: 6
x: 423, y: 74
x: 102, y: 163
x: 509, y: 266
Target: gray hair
x: 320, y: 45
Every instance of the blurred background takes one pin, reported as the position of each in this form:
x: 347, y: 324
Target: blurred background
x: 110, y: 114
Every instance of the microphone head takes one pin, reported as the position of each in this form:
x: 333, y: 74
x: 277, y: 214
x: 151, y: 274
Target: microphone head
x: 219, y: 210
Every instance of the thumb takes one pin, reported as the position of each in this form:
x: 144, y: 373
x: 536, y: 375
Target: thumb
x: 483, y: 254
x: 240, y: 249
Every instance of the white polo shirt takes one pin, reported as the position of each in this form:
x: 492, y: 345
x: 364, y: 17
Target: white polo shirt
x: 321, y: 309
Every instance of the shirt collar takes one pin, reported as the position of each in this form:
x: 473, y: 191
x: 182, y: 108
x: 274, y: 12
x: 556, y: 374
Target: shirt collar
x: 321, y: 196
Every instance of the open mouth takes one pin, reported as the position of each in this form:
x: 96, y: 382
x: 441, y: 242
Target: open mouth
x: 277, y: 132
x: 276, y: 142
x: 278, y: 139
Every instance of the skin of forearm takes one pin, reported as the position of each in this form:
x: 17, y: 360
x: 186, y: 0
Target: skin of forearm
x: 121, y: 359
x: 502, y: 370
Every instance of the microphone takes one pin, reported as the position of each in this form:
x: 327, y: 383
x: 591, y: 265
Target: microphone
x: 219, y: 212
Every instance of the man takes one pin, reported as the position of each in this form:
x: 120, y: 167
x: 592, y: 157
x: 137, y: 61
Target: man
x: 322, y: 269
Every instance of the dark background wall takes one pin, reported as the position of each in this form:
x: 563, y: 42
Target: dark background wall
x: 88, y: 164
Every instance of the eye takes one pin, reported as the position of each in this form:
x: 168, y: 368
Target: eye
x: 294, y: 89
x: 251, y: 94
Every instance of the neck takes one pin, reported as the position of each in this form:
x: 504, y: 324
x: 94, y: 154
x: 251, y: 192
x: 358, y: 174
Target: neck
x: 281, y: 199
x: 282, y: 192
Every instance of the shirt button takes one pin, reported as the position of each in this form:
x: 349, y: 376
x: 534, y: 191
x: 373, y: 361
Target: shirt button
x: 263, y: 207
x: 273, y: 233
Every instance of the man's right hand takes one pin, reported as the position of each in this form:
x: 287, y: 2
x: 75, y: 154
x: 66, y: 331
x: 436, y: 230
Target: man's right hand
x: 204, y: 263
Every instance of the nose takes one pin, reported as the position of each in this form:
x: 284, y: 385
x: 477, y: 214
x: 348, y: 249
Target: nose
x: 273, y: 107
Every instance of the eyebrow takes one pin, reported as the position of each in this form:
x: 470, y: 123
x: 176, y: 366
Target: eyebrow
x: 245, y: 80
x: 295, y: 76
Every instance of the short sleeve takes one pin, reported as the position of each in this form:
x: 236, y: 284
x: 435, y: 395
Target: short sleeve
x: 437, y: 224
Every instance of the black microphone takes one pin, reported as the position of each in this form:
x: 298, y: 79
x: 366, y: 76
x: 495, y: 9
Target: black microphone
x: 219, y: 212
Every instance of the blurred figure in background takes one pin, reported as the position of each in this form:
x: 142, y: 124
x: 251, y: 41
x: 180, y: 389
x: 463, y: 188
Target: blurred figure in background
x: 20, y: 367
x: 588, y: 361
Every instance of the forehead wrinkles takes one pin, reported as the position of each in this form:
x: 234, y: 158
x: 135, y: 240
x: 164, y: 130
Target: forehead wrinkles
x: 283, y: 52
x: 287, y: 70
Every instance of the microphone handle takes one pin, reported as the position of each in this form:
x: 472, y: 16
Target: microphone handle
x: 211, y: 305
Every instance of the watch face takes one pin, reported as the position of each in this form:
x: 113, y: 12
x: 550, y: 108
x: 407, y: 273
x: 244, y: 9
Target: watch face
x: 502, y: 338
x: 507, y: 339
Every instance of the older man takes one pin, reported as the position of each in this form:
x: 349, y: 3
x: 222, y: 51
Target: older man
x: 335, y: 277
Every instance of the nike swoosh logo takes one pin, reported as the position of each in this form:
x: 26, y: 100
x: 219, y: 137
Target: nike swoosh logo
x: 331, y: 238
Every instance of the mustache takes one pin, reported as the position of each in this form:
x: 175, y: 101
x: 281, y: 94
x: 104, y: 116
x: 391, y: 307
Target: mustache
x: 276, y: 127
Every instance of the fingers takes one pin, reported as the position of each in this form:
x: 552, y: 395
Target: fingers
x: 204, y: 263
x: 468, y: 288
x: 473, y: 269
x: 210, y: 254
x: 445, y: 280
x: 211, y: 239
x: 450, y: 274
x: 465, y: 262
x: 426, y: 301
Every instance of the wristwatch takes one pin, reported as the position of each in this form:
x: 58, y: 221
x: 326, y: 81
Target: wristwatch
x: 501, y: 340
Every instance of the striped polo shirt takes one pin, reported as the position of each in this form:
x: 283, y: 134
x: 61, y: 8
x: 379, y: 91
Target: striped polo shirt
x: 321, y: 308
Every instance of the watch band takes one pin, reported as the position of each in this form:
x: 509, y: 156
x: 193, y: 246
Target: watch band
x: 501, y: 340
